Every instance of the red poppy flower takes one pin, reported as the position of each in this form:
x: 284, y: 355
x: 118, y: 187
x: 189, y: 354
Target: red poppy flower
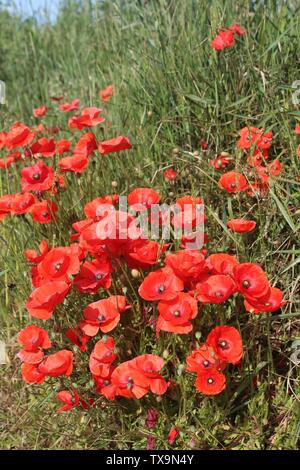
x: 202, y: 359
x: 86, y: 145
x: 70, y: 401
x: 297, y: 129
x: 221, y: 263
x: 172, y: 436
x: 220, y: 162
x: 188, y: 213
x: 188, y: 265
x: 38, y: 177
x: 63, y: 146
x: 19, y: 135
x: 107, y: 93
x: 233, y: 182
x: 78, y: 338
x: 22, y: 203
x: 33, y: 339
x: 143, y: 198
x: 298, y: 151
x: 5, y: 205
x: 250, y: 136
x: 44, y: 212
x: 102, y: 357
x: 257, y: 156
x: 237, y: 29
x: 45, y: 147
x: 203, y: 144
x: 93, y: 275
x: 170, y: 174
x: 74, y: 164
x: 31, y: 374
x: 103, y: 314
x: 59, y: 363
x: 160, y: 285
x: 252, y: 281
x: 274, y: 168
x: 59, y: 263
x: 176, y: 314
x: 41, y: 111
x: 88, y: 118
x: 114, y: 145
x: 226, y: 341
x: 95, y: 208
x: 56, y: 98
x: 141, y: 254
x: 73, y: 106
x: 215, y: 289
x: 43, y: 300
x: 223, y: 40
x: 126, y: 381
x: 7, y: 161
x: 210, y: 382
x: 150, y: 365
x: 271, y: 304
x: 241, y: 225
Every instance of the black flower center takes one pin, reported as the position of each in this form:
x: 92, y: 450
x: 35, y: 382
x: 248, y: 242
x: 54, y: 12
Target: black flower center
x: 36, y: 176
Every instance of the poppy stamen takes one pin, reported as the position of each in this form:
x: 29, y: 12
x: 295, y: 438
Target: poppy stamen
x: 36, y: 176
x: 210, y: 381
x: 57, y: 266
x: 246, y: 284
x: 223, y: 344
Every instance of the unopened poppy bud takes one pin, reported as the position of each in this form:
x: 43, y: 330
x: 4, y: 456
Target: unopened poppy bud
x: 171, y: 194
x: 129, y: 352
x: 196, y: 153
x: 180, y: 369
x: 158, y: 399
x: 114, y: 184
x: 135, y: 273
x: 198, y: 335
x: 149, y: 113
x: 165, y: 354
x: 175, y: 151
x: 225, y: 154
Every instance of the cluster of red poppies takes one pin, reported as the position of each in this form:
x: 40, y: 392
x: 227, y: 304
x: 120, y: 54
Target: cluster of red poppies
x: 226, y: 37
x: 132, y: 378
x: 30, y: 146
x: 256, y: 144
x: 223, y: 346
x: 186, y: 280
x: 36, y: 367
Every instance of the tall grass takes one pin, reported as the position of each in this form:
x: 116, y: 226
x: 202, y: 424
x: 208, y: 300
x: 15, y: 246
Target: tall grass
x: 172, y: 90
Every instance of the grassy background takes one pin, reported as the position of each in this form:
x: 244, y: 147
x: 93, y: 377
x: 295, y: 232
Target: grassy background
x: 172, y: 89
